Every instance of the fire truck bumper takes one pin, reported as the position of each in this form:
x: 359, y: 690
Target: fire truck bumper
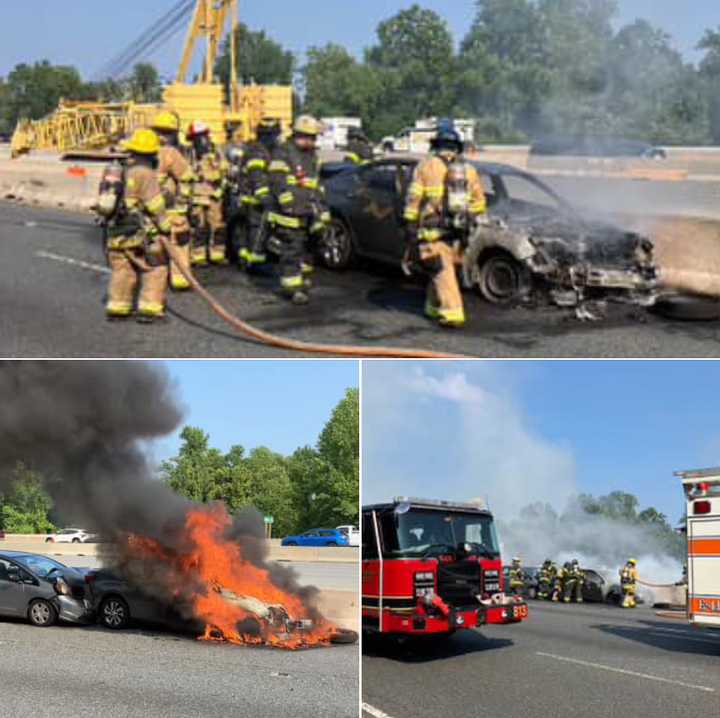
x: 419, y: 624
x: 511, y: 613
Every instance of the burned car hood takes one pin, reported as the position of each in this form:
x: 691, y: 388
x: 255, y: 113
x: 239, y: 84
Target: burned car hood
x: 572, y: 236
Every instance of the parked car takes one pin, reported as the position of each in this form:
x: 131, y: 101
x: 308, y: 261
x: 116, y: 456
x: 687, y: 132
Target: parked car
x: 353, y: 534
x: 318, y: 537
x: 596, y: 146
x: 42, y: 590
x: 71, y: 536
x: 538, y: 245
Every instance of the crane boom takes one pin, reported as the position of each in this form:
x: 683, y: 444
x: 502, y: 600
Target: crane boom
x: 208, y: 21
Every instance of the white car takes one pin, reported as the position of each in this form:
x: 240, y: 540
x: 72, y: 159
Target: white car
x: 70, y: 536
x: 353, y: 534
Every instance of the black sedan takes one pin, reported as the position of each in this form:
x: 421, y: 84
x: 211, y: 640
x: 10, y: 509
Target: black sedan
x: 536, y: 245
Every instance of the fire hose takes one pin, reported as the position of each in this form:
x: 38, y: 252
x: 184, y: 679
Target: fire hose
x: 294, y: 345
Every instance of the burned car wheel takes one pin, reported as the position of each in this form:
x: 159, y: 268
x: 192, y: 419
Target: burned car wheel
x: 502, y: 279
x: 114, y: 613
x: 344, y: 636
x: 336, y: 247
x: 41, y: 613
x: 688, y: 308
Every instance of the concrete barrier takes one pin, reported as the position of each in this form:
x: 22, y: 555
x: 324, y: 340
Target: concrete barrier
x: 37, y: 544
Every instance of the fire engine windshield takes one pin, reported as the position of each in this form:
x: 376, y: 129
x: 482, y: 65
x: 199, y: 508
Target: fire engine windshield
x: 431, y: 533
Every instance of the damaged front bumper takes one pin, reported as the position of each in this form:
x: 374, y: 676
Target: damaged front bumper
x: 73, y: 610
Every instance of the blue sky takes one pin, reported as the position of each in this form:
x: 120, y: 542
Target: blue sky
x: 279, y: 404
x: 78, y: 32
x: 516, y: 432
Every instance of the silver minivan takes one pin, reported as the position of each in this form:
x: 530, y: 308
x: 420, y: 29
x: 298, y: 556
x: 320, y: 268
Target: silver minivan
x: 42, y: 590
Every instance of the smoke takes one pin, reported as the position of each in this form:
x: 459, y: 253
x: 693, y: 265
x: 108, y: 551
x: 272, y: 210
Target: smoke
x: 85, y: 427
x: 456, y: 431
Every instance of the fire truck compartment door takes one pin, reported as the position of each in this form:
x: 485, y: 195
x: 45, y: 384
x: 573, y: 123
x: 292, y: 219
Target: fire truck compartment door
x: 704, y: 569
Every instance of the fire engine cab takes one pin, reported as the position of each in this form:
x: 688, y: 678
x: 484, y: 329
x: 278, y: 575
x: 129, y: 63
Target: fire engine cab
x: 702, y: 493
x: 432, y: 567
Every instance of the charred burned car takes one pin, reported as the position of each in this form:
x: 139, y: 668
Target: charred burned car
x: 536, y: 246
x: 42, y: 590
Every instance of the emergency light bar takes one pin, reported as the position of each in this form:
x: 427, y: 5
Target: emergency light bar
x: 478, y: 505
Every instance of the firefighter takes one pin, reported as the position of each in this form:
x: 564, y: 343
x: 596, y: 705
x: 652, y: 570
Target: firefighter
x: 235, y: 217
x: 257, y: 198
x: 517, y: 577
x: 579, y: 577
x: 557, y: 583
x: 445, y: 203
x: 176, y: 181
x: 359, y: 148
x: 135, y: 207
x: 301, y: 214
x: 628, y: 583
x: 546, y: 579
x: 208, y: 199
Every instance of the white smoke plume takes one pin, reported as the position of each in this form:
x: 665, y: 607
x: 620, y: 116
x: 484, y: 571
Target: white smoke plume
x: 457, y: 431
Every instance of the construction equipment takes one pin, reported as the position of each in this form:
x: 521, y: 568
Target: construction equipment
x: 92, y: 126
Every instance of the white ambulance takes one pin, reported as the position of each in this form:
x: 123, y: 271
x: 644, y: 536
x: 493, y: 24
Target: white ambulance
x: 702, y: 493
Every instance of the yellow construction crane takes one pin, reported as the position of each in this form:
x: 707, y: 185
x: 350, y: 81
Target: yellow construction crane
x: 74, y: 127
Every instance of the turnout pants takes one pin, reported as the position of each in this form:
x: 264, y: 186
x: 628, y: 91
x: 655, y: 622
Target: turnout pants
x: 131, y: 267
x: 629, y: 590
x: 294, y: 265
x: 181, y: 237
x: 253, y: 249
x: 444, y: 298
x: 209, y: 242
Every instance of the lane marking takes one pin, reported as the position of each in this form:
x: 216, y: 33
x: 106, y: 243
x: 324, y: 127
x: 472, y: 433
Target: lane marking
x: 623, y: 671
x: 374, y: 712
x: 73, y: 262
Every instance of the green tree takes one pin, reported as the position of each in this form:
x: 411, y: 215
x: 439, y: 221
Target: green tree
x: 34, y: 91
x: 260, y: 59
x: 710, y: 76
x: 336, y: 84
x: 270, y: 489
x: 25, y: 507
x: 144, y: 83
x: 414, y: 59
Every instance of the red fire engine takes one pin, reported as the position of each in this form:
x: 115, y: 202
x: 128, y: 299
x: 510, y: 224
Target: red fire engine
x: 432, y: 567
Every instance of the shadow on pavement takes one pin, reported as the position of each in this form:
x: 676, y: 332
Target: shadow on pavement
x: 651, y: 633
x: 414, y: 649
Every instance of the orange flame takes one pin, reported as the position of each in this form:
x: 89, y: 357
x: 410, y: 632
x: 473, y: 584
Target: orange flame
x: 227, y: 591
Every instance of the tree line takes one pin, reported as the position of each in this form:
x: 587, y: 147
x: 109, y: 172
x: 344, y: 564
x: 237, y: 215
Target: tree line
x: 524, y: 69
x: 315, y: 486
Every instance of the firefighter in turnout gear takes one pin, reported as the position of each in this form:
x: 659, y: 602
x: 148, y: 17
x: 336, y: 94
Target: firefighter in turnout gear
x: 301, y: 213
x: 574, y: 586
x: 135, y: 209
x: 557, y: 584
x: 235, y: 217
x: 516, y: 576
x: 208, y: 199
x: 176, y: 181
x: 546, y: 579
x: 359, y: 149
x: 444, y: 205
x: 257, y: 198
x: 628, y: 583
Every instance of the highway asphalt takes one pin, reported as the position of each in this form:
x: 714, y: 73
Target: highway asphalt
x: 89, y: 671
x: 54, y: 281
x: 594, y: 661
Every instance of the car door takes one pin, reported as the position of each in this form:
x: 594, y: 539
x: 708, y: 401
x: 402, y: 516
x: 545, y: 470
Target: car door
x: 12, y: 591
x: 378, y: 211
x: 309, y: 538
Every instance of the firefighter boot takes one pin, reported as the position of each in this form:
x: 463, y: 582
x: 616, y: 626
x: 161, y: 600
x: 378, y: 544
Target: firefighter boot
x: 121, y: 290
x: 151, y: 302
x: 217, y: 248
x: 177, y: 280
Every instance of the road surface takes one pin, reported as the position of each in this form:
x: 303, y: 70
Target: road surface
x: 594, y: 661
x: 54, y: 278
x: 89, y: 671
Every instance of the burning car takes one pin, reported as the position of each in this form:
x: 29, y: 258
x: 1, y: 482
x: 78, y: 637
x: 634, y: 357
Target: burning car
x: 536, y: 246
x: 42, y: 590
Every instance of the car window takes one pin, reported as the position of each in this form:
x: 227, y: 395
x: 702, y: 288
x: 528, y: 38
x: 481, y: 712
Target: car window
x: 327, y: 533
x: 5, y: 569
x: 523, y: 190
x: 40, y: 565
x: 310, y: 533
x: 69, y: 531
x: 383, y: 177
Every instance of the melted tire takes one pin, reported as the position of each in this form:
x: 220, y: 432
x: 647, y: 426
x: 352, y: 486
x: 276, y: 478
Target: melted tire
x: 688, y: 308
x: 344, y: 637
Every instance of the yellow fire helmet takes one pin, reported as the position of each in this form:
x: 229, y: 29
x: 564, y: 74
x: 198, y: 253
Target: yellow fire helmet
x: 166, y: 121
x: 633, y: 561
x: 143, y: 142
x: 307, y: 125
